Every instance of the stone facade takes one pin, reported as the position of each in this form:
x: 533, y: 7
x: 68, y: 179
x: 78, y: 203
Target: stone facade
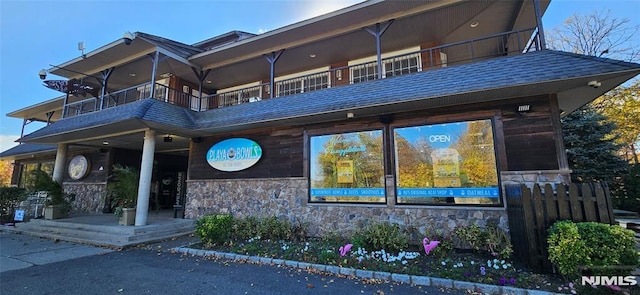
x: 90, y: 197
x: 542, y: 177
x: 288, y: 198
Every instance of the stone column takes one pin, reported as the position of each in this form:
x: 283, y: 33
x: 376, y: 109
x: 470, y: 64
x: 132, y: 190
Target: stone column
x: 146, y: 169
x: 61, y: 160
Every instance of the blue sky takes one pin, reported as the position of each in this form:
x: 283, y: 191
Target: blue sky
x: 35, y: 34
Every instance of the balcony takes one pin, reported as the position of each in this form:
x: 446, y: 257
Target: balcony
x: 488, y: 47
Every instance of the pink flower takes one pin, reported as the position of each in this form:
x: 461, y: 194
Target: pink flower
x: 614, y: 287
x: 345, y: 249
x: 428, y: 246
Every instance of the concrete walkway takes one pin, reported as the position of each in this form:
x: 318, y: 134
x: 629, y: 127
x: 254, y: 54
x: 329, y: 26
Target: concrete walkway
x: 22, y: 251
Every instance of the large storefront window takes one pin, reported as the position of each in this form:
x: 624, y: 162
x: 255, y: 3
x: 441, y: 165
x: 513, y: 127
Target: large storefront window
x: 347, y: 167
x: 447, y: 164
x: 26, y: 174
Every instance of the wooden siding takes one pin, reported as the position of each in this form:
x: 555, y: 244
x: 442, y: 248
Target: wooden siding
x: 281, y: 155
x: 524, y: 141
x: 96, y: 159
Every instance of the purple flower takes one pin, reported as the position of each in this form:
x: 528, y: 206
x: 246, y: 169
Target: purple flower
x: 502, y: 281
x: 467, y: 274
x: 483, y: 271
x: 512, y: 281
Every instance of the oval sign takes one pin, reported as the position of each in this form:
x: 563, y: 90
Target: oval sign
x: 234, y: 154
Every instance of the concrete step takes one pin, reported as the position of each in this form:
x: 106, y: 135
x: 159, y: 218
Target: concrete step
x: 117, y: 237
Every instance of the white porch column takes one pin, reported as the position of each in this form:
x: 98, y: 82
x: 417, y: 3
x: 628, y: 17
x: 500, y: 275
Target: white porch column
x: 146, y: 169
x: 61, y: 160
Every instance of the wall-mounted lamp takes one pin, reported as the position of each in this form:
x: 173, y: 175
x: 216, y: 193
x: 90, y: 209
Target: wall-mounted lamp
x: 594, y: 84
x: 101, y: 168
x: 350, y: 115
x: 524, y: 108
x: 42, y: 74
x: 128, y: 38
x: 339, y: 75
x: 168, y: 138
x: 105, y: 143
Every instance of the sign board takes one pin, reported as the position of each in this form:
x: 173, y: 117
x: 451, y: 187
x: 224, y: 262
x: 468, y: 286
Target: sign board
x: 19, y: 215
x: 234, y: 154
x: 78, y: 167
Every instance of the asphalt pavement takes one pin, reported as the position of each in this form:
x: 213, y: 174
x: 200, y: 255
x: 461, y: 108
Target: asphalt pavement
x: 32, y: 265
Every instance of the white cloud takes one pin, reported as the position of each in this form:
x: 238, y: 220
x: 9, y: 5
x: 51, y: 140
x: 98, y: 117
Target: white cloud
x: 7, y: 142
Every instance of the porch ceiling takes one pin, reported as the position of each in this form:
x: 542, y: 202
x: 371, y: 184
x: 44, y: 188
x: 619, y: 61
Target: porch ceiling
x: 39, y: 111
x: 337, y: 36
x: 340, y: 36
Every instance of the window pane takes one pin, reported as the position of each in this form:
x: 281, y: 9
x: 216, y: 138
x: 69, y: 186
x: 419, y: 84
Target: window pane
x: 347, y: 167
x: 451, y: 163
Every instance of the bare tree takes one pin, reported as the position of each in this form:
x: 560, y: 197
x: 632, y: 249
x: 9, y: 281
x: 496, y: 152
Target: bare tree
x: 597, y: 34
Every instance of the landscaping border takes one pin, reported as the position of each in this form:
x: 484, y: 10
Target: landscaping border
x: 366, y: 274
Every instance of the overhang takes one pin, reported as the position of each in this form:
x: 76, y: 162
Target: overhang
x: 539, y: 73
x: 340, y: 36
x: 38, y: 112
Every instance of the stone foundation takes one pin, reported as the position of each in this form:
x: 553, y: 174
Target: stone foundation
x: 542, y: 177
x: 288, y: 198
x: 90, y: 197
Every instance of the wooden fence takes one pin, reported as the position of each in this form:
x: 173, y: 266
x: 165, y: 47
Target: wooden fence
x: 532, y: 212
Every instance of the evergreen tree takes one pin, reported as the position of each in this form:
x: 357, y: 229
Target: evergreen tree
x: 591, y: 147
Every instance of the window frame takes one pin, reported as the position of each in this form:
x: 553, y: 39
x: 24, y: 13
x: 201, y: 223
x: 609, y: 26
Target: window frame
x: 308, y: 166
x: 496, y: 153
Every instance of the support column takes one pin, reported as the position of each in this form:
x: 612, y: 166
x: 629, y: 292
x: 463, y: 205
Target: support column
x: 272, y: 59
x: 377, y: 33
x: 105, y: 79
x: 61, y: 160
x: 543, y: 42
x: 201, y: 75
x: 146, y: 169
x: 155, y: 59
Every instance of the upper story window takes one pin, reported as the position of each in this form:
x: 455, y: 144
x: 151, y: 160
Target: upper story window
x: 303, y: 84
x: 394, y: 66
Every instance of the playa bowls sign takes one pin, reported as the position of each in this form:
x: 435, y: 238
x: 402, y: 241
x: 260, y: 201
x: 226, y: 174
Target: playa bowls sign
x: 234, y: 154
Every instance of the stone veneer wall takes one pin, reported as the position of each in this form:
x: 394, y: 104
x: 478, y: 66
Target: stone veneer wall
x: 89, y: 196
x: 542, y: 177
x: 287, y: 198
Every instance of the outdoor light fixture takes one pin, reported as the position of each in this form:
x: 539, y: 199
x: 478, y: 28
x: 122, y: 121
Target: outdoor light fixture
x: 105, y: 143
x: 168, y: 138
x: 43, y: 74
x: 474, y: 24
x: 128, y: 38
x: 524, y: 108
x: 350, y: 115
x: 594, y: 84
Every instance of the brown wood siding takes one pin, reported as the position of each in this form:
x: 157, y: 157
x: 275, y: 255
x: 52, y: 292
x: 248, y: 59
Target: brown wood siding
x: 343, y: 72
x: 281, y: 155
x: 96, y: 159
x: 524, y: 141
x: 430, y: 58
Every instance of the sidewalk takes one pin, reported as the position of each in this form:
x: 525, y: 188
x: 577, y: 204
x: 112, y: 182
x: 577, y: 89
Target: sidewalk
x: 21, y: 251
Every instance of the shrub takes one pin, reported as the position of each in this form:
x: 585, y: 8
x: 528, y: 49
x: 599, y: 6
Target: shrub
x: 214, y: 229
x: 491, y: 239
x: 10, y: 198
x: 385, y: 236
x: 598, y: 248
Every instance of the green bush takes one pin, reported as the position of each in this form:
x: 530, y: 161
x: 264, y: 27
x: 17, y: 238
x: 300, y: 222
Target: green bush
x: 597, y: 248
x: 491, y: 239
x: 214, y: 229
x: 385, y: 236
x: 10, y: 198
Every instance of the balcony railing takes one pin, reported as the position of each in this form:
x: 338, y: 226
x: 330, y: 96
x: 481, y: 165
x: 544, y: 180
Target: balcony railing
x: 508, y: 43
x: 131, y: 94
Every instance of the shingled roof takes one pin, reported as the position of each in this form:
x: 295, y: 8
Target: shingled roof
x: 528, y: 74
